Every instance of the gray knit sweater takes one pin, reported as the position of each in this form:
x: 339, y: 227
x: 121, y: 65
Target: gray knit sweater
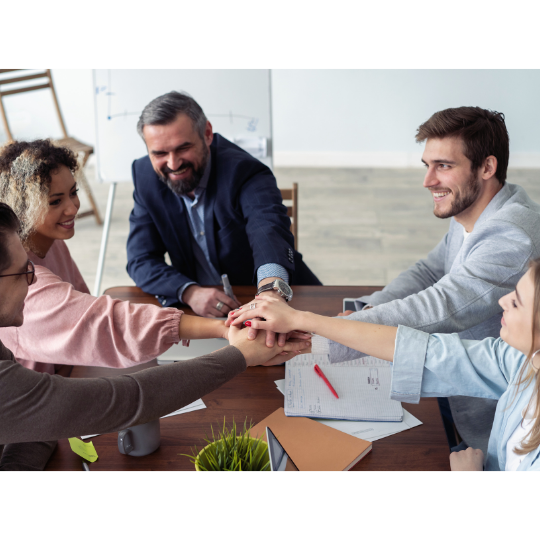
x: 42, y: 407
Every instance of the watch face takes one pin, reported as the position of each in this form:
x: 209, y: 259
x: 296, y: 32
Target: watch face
x: 284, y: 288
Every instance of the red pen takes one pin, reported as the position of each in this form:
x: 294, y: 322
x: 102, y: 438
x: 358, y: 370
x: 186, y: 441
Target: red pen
x: 319, y: 372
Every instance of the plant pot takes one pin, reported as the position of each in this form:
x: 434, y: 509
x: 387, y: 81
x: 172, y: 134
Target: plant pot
x: 261, y: 450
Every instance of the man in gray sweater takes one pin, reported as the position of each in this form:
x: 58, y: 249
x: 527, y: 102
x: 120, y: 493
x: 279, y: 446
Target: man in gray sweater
x: 494, y: 233
x: 42, y: 407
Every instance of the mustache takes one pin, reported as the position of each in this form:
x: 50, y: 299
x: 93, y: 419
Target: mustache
x: 166, y: 170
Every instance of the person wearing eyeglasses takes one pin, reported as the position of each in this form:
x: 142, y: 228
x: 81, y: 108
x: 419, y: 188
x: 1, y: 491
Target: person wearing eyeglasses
x: 36, y: 409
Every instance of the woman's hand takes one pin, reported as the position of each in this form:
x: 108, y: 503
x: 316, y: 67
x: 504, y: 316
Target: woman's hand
x: 467, y: 460
x: 279, y: 317
x: 256, y: 352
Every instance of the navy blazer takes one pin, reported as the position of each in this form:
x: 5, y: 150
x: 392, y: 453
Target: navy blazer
x: 245, y: 221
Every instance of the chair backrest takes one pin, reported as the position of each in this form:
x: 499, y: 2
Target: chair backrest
x: 11, y: 85
x: 292, y: 209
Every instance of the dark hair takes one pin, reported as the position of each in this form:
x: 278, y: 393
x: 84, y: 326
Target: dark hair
x: 164, y: 109
x: 9, y: 223
x: 482, y: 131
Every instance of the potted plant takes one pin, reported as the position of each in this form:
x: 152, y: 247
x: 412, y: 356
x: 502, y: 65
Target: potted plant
x: 231, y: 451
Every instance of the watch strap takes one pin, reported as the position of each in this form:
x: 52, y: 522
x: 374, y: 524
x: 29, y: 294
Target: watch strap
x: 267, y: 287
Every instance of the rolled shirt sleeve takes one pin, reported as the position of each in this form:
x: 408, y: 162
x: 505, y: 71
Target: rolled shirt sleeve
x: 408, y: 367
x: 442, y: 365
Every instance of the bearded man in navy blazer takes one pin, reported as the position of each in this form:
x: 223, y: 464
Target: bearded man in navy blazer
x: 211, y: 206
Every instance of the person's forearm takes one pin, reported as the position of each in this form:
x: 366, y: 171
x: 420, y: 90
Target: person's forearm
x: 373, y: 339
x: 38, y: 406
x: 192, y: 327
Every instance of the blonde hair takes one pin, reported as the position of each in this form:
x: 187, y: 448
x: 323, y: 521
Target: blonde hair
x: 528, y: 374
x: 25, y: 179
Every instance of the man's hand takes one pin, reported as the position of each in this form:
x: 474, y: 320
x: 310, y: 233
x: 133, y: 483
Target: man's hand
x: 256, y: 352
x: 467, y: 460
x: 204, y: 301
x: 270, y: 336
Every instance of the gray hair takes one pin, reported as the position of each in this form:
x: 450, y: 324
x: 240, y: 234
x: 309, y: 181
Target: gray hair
x: 164, y: 109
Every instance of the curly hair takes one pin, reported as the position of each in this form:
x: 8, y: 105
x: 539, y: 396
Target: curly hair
x: 25, y: 178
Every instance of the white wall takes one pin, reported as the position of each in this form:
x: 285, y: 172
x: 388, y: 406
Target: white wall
x: 369, y: 117
x: 335, y: 118
x: 32, y: 115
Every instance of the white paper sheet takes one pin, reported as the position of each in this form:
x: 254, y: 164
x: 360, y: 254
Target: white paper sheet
x: 195, y: 406
x: 368, y: 431
x: 372, y: 431
x: 363, y: 386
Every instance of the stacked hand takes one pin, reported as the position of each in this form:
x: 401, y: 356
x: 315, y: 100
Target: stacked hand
x: 278, y: 316
x: 256, y: 351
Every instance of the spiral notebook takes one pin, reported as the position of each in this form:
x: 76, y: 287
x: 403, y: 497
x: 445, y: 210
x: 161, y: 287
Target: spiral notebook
x: 363, y: 387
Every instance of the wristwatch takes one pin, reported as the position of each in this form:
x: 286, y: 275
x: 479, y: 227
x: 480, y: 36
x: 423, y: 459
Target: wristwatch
x: 280, y: 286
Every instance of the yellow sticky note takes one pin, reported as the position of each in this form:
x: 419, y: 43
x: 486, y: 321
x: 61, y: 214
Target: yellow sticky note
x: 85, y: 450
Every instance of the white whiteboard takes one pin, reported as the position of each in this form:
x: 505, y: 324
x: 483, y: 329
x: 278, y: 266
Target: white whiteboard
x: 237, y: 102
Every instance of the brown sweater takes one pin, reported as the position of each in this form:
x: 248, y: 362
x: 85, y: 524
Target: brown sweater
x: 41, y: 407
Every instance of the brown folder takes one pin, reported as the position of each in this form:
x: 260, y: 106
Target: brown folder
x: 313, y: 446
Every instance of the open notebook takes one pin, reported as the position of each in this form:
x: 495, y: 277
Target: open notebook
x: 363, y: 387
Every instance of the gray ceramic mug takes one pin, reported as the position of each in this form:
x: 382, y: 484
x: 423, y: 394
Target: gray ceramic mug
x: 140, y: 440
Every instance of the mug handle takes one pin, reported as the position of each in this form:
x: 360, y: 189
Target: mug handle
x: 125, y: 444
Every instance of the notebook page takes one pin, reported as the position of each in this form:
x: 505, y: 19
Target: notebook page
x: 363, y: 387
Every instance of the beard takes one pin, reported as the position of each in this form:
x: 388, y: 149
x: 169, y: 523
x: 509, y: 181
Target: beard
x: 183, y: 187
x: 462, y: 200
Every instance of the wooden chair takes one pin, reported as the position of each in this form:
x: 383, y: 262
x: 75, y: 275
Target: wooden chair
x: 81, y: 150
x: 292, y: 209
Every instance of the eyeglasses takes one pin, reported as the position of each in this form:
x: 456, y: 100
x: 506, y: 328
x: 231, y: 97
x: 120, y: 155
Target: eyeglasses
x: 29, y: 273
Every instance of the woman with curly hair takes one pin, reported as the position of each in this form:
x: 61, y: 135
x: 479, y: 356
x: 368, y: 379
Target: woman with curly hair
x: 70, y: 325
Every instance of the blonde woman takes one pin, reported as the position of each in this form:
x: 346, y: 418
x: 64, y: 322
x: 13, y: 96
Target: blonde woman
x: 438, y: 365
x: 64, y: 324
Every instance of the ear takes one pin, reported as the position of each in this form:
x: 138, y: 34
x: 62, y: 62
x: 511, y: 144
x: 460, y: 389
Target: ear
x: 489, y: 168
x: 208, y: 134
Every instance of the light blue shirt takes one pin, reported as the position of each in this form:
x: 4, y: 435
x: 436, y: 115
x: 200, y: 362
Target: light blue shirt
x: 209, y: 274
x: 442, y: 365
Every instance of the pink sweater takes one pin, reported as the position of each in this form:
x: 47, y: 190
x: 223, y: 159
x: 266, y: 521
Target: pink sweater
x: 65, y: 324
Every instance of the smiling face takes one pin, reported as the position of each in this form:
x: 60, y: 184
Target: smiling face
x: 13, y: 289
x: 178, y: 155
x: 453, y: 185
x: 63, y: 205
x: 517, y: 319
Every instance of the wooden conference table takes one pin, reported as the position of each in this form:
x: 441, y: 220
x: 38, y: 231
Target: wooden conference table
x: 254, y: 395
